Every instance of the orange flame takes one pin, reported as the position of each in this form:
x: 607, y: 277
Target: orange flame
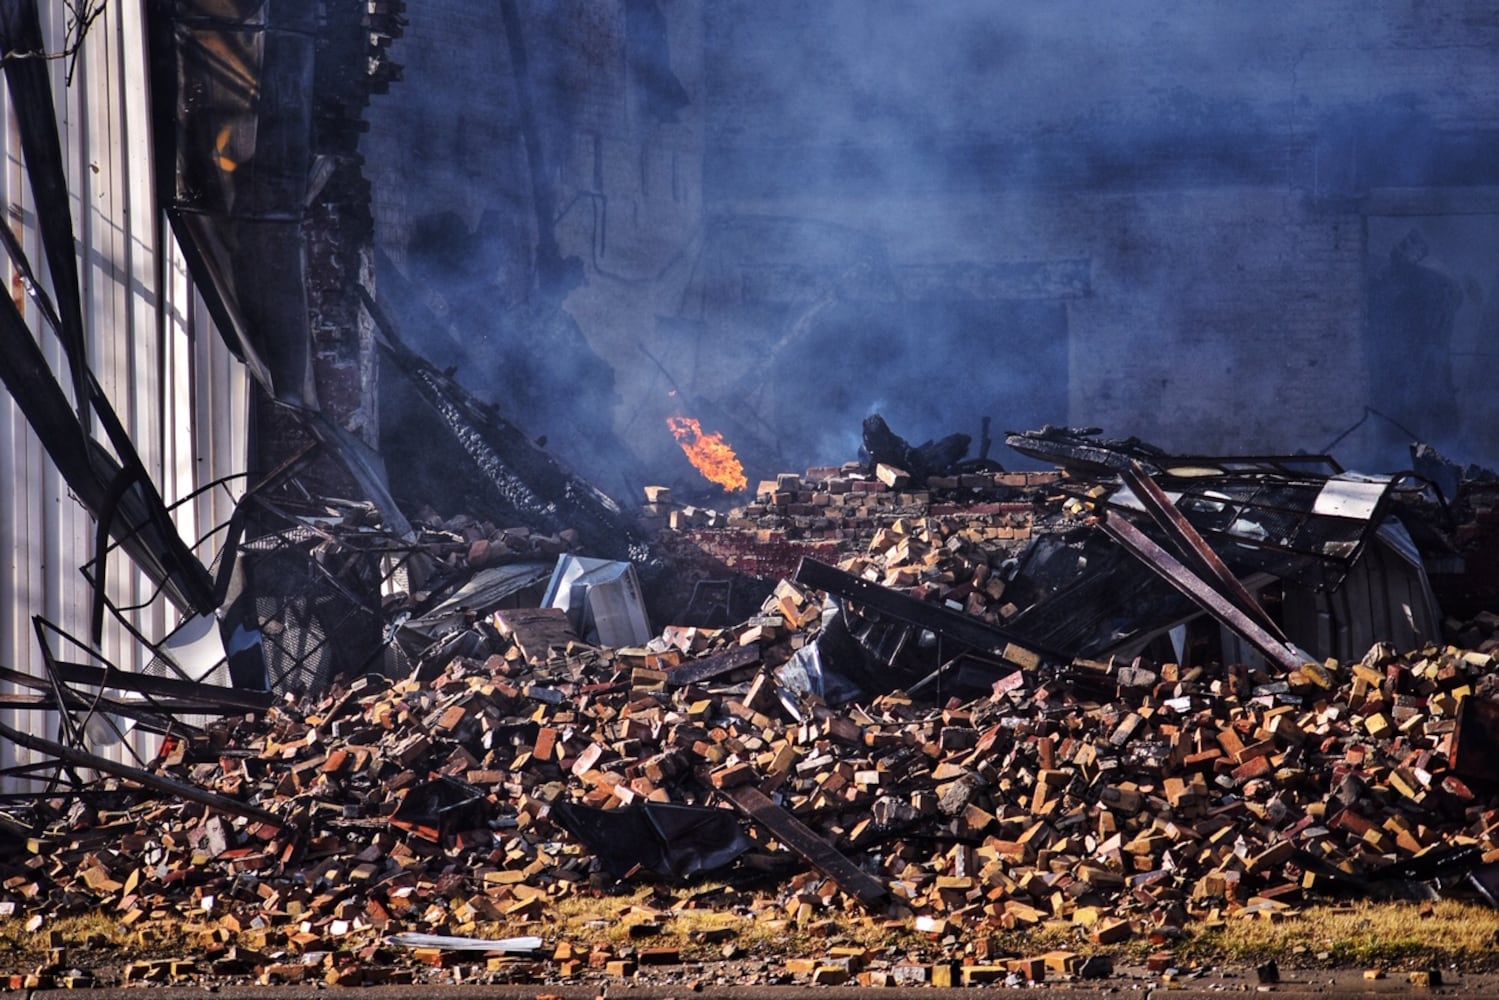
x: 710, y: 454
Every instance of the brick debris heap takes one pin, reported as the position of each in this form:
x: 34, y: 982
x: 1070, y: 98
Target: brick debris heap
x: 1153, y: 800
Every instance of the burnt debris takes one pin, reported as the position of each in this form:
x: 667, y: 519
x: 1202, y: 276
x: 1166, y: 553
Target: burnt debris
x: 958, y: 764
x: 1137, y: 692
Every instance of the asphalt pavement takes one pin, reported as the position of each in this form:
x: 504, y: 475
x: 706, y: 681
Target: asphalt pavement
x: 1322, y: 984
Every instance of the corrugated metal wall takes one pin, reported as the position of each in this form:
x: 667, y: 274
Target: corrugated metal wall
x: 173, y: 383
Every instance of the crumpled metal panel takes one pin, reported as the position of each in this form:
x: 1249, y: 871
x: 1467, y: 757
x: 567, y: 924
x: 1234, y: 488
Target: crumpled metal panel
x: 1311, y: 527
x: 668, y: 840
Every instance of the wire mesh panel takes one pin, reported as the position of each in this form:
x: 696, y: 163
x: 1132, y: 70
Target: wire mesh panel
x: 312, y: 625
x: 311, y: 585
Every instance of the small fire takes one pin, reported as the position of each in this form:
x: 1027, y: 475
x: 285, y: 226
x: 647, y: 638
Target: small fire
x: 710, y: 454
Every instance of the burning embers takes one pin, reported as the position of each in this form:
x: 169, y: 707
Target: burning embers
x: 710, y: 454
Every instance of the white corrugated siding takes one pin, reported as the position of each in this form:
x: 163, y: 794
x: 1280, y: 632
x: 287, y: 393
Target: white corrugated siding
x: 175, y: 386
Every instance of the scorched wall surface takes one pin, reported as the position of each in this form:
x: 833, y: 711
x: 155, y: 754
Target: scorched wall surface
x: 1193, y: 205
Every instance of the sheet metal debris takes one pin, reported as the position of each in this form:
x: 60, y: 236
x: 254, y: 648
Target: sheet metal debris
x: 524, y: 945
x: 664, y: 839
x: 602, y: 599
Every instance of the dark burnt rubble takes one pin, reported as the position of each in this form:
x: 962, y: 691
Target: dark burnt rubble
x: 901, y: 728
x: 1136, y: 694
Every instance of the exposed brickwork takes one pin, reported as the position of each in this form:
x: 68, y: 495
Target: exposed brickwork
x: 1212, y: 211
x: 337, y: 233
x: 1221, y: 200
x: 830, y: 518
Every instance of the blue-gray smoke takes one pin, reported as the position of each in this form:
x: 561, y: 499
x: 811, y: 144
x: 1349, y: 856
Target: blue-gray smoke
x: 1219, y: 226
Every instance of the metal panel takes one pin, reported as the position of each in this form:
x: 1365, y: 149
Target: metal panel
x: 1385, y: 597
x: 150, y: 344
x: 1352, y: 495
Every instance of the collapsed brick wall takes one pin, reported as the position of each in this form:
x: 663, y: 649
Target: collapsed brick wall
x: 832, y: 515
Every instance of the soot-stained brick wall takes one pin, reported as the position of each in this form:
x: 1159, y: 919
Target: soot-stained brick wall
x: 1171, y: 219
x: 1231, y: 180
x: 469, y: 190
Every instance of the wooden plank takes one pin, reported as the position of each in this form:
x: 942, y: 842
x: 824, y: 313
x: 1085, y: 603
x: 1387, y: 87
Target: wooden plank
x: 814, y: 850
x: 536, y: 631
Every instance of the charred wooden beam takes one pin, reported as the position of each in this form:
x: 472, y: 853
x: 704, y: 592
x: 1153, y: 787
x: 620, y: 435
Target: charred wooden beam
x: 713, y: 666
x: 884, y: 446
x: 814, y: 850
x: 1079, y: 450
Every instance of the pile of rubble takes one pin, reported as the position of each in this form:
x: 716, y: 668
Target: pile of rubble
x: 388, y: 824
x: 832, y: 512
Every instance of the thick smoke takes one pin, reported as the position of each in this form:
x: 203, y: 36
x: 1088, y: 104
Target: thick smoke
x: 1176, y: 220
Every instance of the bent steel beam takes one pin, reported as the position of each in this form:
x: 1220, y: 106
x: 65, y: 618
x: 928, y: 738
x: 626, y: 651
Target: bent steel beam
x: 1204, y: 594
